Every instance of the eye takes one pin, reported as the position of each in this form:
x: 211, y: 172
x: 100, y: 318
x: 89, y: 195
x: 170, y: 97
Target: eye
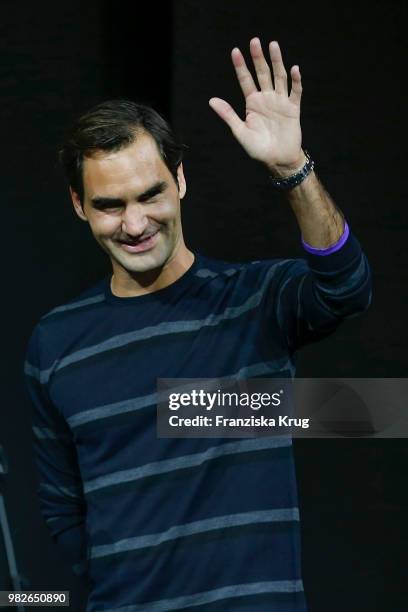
x: 109, y: 209
x: 153, y: 197
x: 152, y: 200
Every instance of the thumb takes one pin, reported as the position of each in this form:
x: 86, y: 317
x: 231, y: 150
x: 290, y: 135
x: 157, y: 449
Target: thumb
x: 227, y: 113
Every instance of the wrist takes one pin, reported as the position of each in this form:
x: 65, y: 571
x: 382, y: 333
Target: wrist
x: 285, y: 170
x: 296, y: 175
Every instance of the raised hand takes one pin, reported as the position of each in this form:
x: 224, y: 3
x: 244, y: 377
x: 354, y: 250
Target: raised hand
x: 271, y: 131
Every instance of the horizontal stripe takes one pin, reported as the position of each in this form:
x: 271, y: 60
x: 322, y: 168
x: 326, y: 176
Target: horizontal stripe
x: 137, y: 403
x: 59, y: 490
x: 352, y: 315
x: 32, y: 371
x: 44, y: 433
x: 207, y: 597
x: 185, y: 461
x: 353, y: 281
x: 196, y: 527
x: 72, y: 306
x: 205, y: 273
x: 110, y: 410
x: 163, y: 328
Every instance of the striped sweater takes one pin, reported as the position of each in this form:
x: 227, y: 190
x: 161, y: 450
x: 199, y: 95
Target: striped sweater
x: 160, y: 524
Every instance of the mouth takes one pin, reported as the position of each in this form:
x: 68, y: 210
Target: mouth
x: 143, y: 244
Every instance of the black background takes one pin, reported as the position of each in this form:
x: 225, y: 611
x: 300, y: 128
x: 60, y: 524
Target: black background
x: 56, y: 61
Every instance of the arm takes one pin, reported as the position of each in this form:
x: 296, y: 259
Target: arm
x: 62, y: 502
x: 271, y: 134
x: 313, y: 295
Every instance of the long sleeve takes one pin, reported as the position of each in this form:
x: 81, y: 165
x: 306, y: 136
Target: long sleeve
x: 60, y: 491
x: 316, y: 293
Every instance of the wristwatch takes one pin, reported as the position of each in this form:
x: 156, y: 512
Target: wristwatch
x: 289, y: 182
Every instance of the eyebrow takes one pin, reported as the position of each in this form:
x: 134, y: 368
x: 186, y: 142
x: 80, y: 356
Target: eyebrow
x: 155, y: 189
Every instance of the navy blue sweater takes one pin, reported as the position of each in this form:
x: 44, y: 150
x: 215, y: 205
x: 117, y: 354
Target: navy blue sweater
x: 171, y: 524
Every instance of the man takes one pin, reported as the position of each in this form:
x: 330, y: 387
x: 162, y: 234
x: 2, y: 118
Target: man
x: 161, y: 523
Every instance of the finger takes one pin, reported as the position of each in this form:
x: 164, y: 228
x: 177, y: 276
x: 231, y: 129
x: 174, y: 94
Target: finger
x: 279, y: 73
x: 243, y: 74
x: 262, y: 69
x: 296, y: 90
x: 227, y: 113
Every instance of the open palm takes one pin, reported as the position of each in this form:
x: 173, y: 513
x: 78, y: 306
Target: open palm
x: 271, y: 131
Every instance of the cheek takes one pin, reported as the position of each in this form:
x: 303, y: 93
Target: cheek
x: 163, y: 212
x: 106, y: 225
x: 167, y: 209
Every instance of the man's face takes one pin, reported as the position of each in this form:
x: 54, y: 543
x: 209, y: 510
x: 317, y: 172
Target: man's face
x: 129, y: 195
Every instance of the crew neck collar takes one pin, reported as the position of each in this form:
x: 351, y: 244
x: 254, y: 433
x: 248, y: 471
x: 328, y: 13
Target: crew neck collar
x: 167, y: 291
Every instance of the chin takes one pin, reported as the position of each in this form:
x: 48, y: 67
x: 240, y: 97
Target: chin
x: 142, y: 262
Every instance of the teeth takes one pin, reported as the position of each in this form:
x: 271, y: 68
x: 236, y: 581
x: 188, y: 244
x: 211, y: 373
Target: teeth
x: 147, y: 237
x: 140, y: 240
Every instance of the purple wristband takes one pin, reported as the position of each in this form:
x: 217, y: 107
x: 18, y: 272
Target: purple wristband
x: 331, y: 249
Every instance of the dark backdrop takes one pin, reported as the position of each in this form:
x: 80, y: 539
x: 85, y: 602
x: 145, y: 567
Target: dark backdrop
x: 59, y: 60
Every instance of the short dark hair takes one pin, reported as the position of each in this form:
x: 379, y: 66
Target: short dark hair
x: 110, y: 126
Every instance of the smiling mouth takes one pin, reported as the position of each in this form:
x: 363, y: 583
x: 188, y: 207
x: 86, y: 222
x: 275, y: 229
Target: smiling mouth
x: 139, y: 241
x: 143, y: 244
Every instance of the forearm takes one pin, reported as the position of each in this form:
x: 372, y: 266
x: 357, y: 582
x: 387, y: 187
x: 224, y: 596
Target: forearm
x: 64, y: 513
x: 320, y: 221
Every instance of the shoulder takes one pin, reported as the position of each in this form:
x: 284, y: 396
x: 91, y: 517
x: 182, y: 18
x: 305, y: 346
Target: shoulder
x: 254, y: 272
x: 90, y: 296
x: 61, y: 324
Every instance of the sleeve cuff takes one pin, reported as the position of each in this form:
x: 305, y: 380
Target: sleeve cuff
x: 331, y: 249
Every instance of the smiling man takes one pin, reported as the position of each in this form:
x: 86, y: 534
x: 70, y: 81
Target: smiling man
x: 154, y: 523
x: 130, y: 198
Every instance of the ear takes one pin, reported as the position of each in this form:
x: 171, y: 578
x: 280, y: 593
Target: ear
x: 77, y: 204
x: 181, y: 181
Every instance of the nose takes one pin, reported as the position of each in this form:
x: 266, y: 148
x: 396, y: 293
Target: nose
x: 134, y: 220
